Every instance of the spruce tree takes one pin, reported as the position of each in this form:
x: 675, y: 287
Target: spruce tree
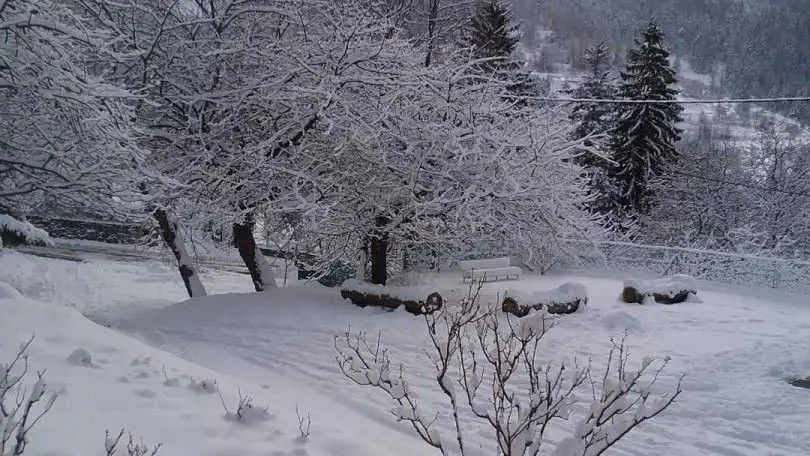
x: 593, y: 118
x: 643, y: 139
x: 492, y: 38
x: 491, y: 34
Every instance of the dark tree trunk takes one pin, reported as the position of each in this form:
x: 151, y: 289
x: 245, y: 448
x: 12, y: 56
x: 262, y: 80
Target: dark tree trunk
x: 244, y: 241
x: 171, y: 236
x: 379, y: 253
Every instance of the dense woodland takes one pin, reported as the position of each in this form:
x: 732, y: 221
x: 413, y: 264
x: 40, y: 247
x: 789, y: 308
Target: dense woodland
x: 365, y: 131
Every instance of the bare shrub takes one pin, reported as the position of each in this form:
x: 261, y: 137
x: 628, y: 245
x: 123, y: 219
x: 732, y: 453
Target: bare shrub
x: 487, y: 369
x: 133, y: 448
x: 21, y: 407
x: 304, y: 425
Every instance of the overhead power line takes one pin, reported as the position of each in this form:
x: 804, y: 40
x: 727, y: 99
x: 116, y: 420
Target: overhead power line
x: 742, y: 184
x: 710, y: 101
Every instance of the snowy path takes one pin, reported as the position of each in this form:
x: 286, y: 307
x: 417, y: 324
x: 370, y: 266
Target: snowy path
x: 735, y: 349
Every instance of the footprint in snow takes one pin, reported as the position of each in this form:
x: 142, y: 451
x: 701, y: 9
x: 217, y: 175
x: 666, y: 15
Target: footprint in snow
x: 141, y: 361
x: 146, y: 393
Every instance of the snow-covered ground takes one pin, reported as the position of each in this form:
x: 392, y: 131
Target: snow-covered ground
x: 736, y: 348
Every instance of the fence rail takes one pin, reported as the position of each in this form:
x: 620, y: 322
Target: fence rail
x: 704, y: 264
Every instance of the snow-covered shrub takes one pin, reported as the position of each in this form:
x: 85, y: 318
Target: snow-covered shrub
x: 488, y: 371
x: 304, y: 425
x: 204, y: 386
x: 16, y: 232
x: 565, y: 299
x: 21, y: 406
x: 246, y: 412
x: 168, y: 381
x: 669, y: 290
x: 133, y: 448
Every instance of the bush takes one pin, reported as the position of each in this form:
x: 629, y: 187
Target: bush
x: 21, y: 407
x: 488, y: 372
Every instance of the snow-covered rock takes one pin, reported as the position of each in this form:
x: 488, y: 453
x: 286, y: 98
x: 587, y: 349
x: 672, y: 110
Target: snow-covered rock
x: 414, y: 300
x: 15, y: 232
x: 667, y: 290
x: 568, y: 298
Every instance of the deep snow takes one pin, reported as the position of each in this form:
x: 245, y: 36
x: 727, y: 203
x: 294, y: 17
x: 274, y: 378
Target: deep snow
x: 736, y: 348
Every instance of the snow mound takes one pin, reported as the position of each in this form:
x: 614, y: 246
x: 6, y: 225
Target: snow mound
x: 23, y: 232
x: 118, y: 396
x: 81, y: 357
x: 8, y: 292
x: 622, y: 321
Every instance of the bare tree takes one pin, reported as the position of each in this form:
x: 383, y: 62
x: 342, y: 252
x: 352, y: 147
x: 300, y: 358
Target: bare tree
x: 67, y: 136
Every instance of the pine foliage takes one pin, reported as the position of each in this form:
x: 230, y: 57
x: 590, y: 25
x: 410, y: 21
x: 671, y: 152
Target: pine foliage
x: 645, y: 135
x: 492, y: 39
x: 592, y: 119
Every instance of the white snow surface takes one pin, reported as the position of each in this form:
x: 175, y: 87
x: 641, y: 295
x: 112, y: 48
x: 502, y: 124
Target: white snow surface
x: 108, y: 380
x: 25, y: 229
x: 737, y: 348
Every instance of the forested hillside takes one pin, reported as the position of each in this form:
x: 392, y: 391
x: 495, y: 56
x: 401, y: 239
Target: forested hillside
x: 751, y: 48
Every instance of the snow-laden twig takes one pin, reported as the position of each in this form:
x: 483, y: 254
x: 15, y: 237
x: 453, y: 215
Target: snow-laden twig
x: 133, y: 448
x: 21, y: 408
x: 488, y: 369
x: 304, y: 425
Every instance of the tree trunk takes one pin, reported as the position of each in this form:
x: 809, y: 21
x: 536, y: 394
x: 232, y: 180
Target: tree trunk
x: 174, y: 240
x: 260, y: 271
x: 379, y: 253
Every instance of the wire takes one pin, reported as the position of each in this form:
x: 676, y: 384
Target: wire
x: 741, y: 184
x: 710, y: 101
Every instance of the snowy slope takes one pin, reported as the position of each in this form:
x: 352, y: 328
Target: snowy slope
x: 126, y: 386
x: 736, y: 349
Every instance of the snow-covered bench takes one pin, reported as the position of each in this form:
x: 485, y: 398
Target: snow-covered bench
x: 488, y: 269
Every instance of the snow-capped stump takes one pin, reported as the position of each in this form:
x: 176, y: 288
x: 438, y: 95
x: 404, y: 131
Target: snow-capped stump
x: 565, y: 299
x: 365, y: 294
x: 668, y: 290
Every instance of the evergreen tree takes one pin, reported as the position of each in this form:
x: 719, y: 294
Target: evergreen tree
x: 644, y: 137
x: 491, y: 34
x: 492, y: 38
x: 593, y: 118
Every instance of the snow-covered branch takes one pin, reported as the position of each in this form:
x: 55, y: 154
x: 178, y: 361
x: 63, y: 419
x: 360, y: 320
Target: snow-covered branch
x: 21, y: 408
x: 488, y: 369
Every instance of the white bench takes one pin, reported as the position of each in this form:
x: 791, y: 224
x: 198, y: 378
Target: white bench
x: 488, y: 269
